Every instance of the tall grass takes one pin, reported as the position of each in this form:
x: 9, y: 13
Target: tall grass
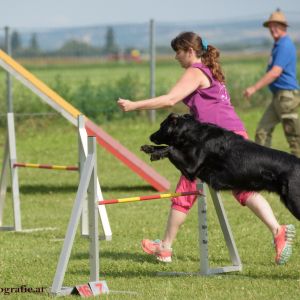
x: 94, y: 89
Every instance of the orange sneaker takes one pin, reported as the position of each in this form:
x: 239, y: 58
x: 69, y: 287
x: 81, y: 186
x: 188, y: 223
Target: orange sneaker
x: 283, y: 243
x: 157, y: 249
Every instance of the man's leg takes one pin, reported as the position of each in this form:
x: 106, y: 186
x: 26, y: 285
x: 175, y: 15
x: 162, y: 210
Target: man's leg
x: 266, y: 125
x: 286, y: 104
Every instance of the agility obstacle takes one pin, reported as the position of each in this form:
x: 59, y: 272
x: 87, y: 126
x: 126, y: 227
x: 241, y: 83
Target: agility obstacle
x: 43, y: 166
x: 10, y: 162
x: 70, y: 113
x: 204, y: 267
x: 150, y: 197
x: 88, y: 185
x: 83, y: 153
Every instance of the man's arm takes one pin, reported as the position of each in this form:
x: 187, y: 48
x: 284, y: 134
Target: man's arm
x: 268, y: 78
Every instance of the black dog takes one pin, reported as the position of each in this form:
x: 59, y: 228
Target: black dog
x: 225, y: 160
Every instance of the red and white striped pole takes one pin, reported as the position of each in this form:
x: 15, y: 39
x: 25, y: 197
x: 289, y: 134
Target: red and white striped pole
x: 150, y: 197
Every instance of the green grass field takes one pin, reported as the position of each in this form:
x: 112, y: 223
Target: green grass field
x: 47, y: 197
x: 46, y: 200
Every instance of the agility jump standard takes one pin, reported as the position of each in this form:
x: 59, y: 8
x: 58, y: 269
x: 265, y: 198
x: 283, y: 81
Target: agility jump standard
x: 150, y: 197
x: 43, y: 166
x: 88, y: 185
x: 10, y: 163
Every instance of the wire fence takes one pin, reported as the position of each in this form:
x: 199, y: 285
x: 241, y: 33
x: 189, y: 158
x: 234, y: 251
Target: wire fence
x: 91, y: 67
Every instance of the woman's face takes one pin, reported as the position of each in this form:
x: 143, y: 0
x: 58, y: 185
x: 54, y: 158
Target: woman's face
x: 184, y: 58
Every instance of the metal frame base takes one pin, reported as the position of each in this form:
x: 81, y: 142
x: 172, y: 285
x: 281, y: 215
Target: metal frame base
x: 87, y: 186
x: 13, y: 229
x: 205, y: 270
x: 213, y: 271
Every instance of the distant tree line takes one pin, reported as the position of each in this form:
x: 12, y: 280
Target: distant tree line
x: 71, y: 47
x: 79, y: 48
x: 32, y: 49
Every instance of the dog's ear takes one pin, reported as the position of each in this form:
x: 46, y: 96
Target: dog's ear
x: 173, y: 118
x: 173, y: 115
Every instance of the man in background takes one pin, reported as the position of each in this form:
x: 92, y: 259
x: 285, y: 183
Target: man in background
x: 282, y: 81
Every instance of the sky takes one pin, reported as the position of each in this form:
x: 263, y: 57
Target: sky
x: 24, y: 14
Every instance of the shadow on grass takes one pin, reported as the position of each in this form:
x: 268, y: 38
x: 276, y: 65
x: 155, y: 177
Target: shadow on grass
x: 142, y: 270
x: 119, y: 273
x: 260, y: 276
x: 138, y: 257
x: 48, y: 189
x: 121, y: 188
x: 127, y: 258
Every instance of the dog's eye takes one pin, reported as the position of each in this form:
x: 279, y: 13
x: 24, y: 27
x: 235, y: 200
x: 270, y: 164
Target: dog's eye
x: 187, y: 116
x: 170, y: 129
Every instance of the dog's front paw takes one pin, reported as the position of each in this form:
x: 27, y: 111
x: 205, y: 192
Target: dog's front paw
x: 147, y: 149
x: 156, y: 156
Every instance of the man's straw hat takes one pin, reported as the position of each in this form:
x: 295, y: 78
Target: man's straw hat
x: 277, y: 17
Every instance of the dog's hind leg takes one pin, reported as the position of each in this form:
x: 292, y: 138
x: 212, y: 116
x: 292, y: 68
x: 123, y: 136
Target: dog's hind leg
x: 291, y: 196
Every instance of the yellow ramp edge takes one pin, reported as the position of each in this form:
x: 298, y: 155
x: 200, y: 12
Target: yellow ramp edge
x: 39, y: 84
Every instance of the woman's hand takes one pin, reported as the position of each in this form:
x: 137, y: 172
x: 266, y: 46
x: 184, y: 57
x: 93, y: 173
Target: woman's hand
x: 126, y: 105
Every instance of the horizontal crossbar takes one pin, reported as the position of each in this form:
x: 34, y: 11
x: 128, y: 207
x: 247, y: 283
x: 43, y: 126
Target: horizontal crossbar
x: 42, y: 166
x: 150, y: 197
